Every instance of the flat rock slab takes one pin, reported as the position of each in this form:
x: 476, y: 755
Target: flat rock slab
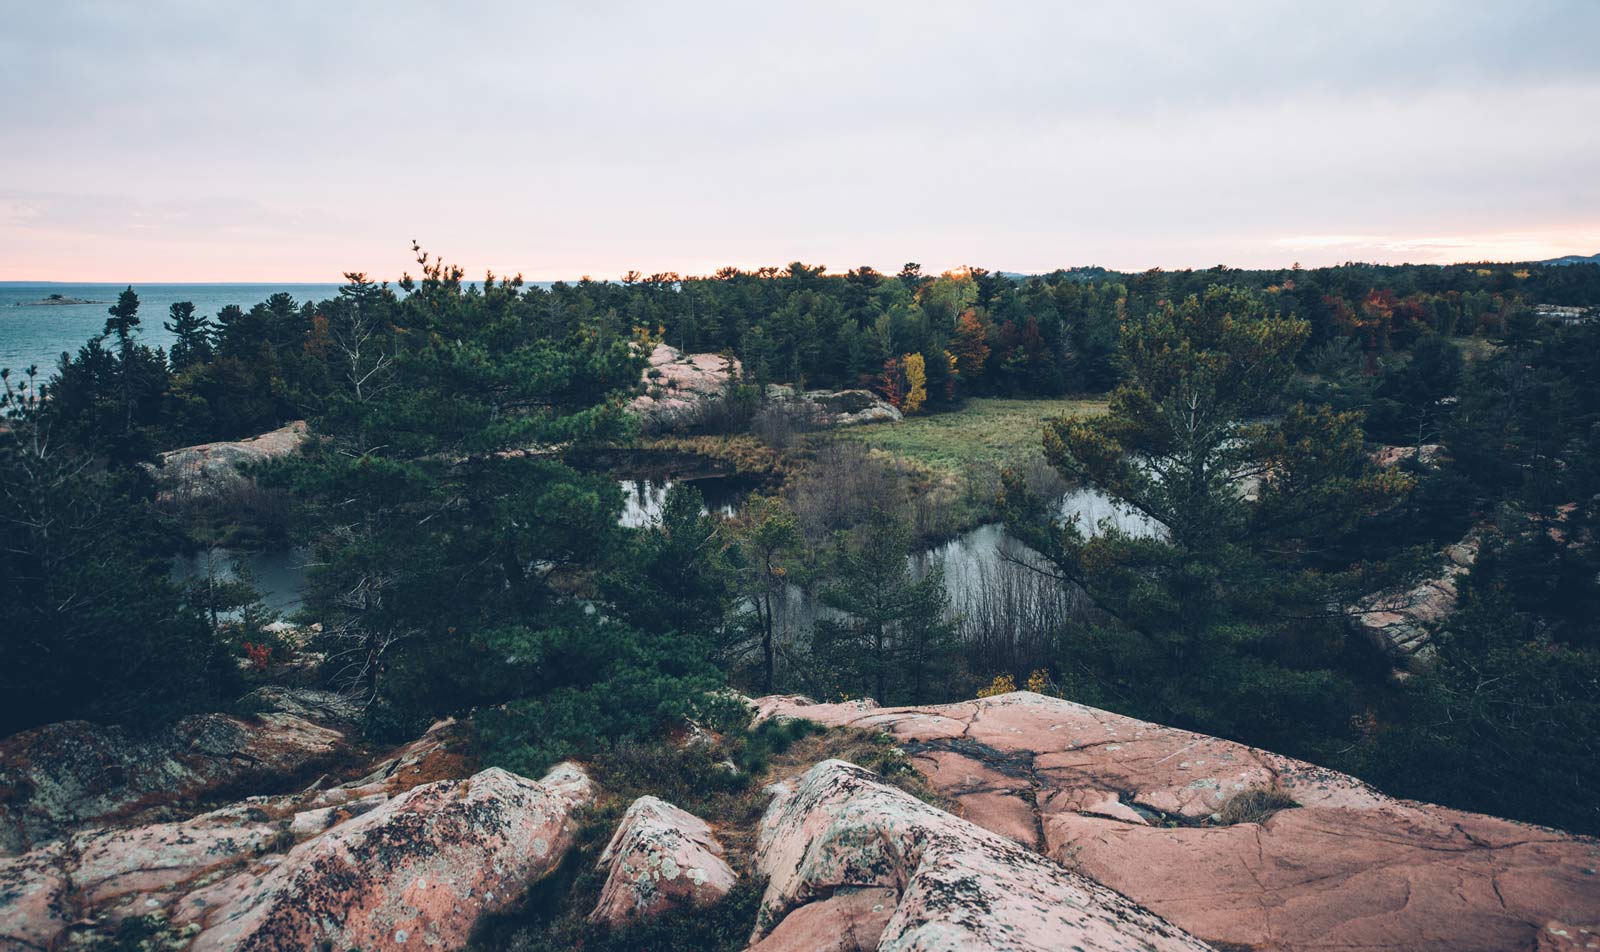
x: 1126, y: 803
x: 840, y: 848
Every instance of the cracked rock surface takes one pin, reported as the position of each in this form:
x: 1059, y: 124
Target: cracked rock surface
x: 1129, y: 804
x: 853, y: 863
x: 419, y: 871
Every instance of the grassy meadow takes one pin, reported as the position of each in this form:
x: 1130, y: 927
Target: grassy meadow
x: 987, y: 432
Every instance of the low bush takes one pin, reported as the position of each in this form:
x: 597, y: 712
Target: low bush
x: 1254, y: 805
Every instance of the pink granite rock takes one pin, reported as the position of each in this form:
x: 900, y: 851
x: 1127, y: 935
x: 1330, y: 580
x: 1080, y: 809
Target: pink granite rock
x: 660, y: 858
x: 211, y: 467
x: 1129, y: 804
x: 850, y: 920
x: 955, y: 886
x: 81, y: 885
x: 678, y: 386
x: 35, y: 899
x: 419, y: 871
x: 1400, y: 622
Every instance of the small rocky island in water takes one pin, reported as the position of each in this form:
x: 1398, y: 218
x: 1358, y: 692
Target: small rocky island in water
x: 57, y: 299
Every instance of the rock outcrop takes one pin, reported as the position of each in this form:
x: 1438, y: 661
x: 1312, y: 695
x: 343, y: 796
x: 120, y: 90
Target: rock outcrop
x: 679, y: 387
x: 855, y: 864
x: 388, y: 861
x: 1427, y: 455
x: 660, y: 858
x: 834, y: 408
x: 212, y: 468
x: 1400, y: 623
x: 419, y: 871
x: 1135, y: 806
x: 61, y: 777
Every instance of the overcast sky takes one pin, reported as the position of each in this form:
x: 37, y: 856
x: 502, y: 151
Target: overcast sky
x: 165, y: 140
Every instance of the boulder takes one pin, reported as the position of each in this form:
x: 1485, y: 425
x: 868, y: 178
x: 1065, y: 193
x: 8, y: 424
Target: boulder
x: 324, y: 707
x: 441, y: 753
x: 849, y: 920
x: 834, y: 408
x: 419, y: 871
x: 853, y: 407
x: 1134, y: 806
x: 89, y: 881
x: 660, y: 858
x: 840, y: 849
x: 211, y: 468
x: 58, y: 778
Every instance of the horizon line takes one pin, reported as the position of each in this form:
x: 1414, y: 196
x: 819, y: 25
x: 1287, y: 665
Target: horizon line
x: 832, y: 273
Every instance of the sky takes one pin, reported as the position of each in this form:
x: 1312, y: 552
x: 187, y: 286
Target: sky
x: 170, y: 140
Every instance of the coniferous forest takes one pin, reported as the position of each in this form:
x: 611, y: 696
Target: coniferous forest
x: 1300, y: 440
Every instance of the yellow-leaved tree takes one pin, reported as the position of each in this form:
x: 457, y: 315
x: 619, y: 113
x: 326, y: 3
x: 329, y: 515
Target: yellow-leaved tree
x: 916, y: 383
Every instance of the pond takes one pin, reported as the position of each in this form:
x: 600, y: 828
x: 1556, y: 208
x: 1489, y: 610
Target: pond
x: 643, y: 499
x: 278, y: 574
x: 969, y: 559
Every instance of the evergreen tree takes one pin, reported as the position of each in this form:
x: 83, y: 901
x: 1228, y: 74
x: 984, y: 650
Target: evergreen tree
x: 761, y: 542
x: 456, y: 547
x: 95, y: 627
x: 123, y: 323
x: 673, y: 578
x: 1219, y: 619
x: 894, y: 642
x: 193, y: 336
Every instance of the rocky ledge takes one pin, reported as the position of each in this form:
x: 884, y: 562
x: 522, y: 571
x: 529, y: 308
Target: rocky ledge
x: 1145, y: 810
x: 679, y: 389
x: 61, y: 777
x: 210, y: 468
x: 1073, y: 828
x: 854, y: 864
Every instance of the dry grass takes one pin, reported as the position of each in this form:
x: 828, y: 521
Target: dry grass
x: 987, y: 431
x: 1254, y: 805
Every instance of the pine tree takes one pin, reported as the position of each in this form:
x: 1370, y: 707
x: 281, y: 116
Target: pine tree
x: 457, y: 548
x: 95, y: 628
x: 123, y: 324
x: 895, y: 638
x: 193, y: 336
x: 761, y: 542
x: 1223, y: 620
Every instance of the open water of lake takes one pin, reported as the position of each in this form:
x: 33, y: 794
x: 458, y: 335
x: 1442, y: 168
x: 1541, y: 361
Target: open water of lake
x: 37, y: 335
